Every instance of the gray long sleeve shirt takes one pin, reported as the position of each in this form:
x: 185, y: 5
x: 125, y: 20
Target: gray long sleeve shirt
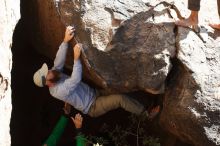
x: 71, y: 89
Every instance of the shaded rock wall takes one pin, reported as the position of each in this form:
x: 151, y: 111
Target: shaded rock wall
x: 9, y: 14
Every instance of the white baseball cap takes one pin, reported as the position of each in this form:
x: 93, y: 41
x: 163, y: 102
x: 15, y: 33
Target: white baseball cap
x: 40, y: 75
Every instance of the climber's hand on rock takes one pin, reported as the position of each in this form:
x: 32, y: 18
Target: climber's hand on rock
x: 77, y: 51
x: 69, y: 33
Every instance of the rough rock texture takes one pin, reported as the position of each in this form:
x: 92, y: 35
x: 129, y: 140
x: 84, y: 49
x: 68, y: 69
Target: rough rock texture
x: 9, y: 14
x: 128, y: 47
x: 132, y: 61
x: 194, y: 90
x: 119, y: 48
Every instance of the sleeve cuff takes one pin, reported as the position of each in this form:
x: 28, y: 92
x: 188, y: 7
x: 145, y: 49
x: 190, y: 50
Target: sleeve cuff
x: 64, y: 45
x: 77, y: 62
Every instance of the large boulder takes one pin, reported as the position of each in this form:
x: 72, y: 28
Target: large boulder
x: 9, y: 14
x: 192, y: 100
x: 126, y: 48
x: 132, y: 59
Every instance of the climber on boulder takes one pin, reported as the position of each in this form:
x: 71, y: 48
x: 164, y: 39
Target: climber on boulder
x: 78, y: 94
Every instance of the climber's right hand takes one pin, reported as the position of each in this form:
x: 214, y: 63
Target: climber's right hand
x: 69, y: 33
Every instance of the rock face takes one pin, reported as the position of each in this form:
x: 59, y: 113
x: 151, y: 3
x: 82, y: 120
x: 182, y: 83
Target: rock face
x: 119, y: 48
x: 9, y: 13
x: 194, y: 90
x: 128, y: 46
x: 192, y: 100
x: 130, y: 60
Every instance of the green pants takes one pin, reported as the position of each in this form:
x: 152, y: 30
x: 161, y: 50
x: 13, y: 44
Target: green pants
x: 194, y: 5
x: 103, y: 104
x: 58, y: 131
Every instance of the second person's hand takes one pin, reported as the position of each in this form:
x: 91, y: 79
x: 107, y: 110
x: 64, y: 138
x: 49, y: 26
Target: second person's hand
x: 77, y: 121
